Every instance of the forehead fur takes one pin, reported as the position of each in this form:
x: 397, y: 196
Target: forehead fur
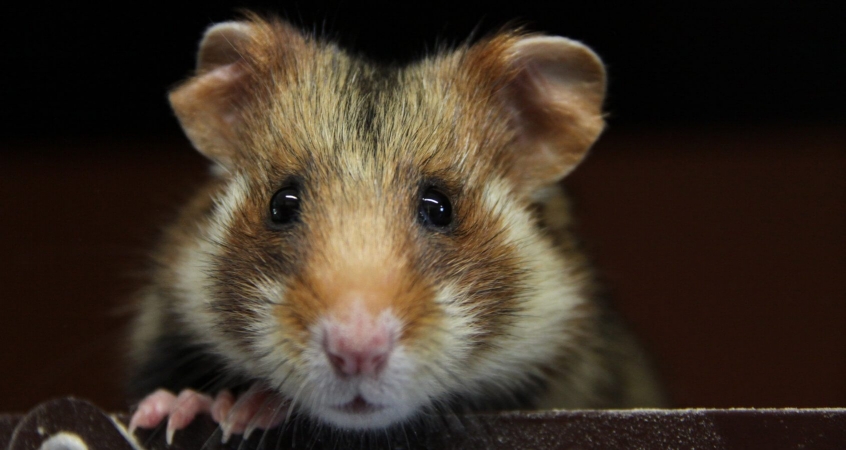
x: 313, y: 105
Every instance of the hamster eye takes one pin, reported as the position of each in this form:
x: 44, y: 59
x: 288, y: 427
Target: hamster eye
x: 434, y: 209
x: 285, y: 205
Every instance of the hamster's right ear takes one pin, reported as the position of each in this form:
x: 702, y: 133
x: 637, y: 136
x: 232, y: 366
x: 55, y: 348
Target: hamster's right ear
x: 208, y: 104
x: 552, y: 89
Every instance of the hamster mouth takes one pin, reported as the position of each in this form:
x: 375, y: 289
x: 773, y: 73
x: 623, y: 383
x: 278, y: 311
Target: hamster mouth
x: 359, y: 406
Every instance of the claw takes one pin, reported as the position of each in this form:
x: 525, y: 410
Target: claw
x: 223, y: 402
x: 180, y: 411
x: 188, y: 404
x: 258, y: 407
x: 169, y: 435
x: 152, y: 410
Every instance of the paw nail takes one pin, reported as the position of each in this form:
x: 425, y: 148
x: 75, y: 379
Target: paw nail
x: 249, y: 431
x: 227, y: 433
x: 169, y: 435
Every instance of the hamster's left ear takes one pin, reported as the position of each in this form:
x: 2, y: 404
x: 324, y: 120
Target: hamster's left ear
x: 555, y: 96
x: 207, y: 104
x: 213, y: 104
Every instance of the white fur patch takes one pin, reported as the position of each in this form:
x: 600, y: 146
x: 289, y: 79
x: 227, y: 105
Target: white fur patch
x: 548, y: 302
x: 195, y: 262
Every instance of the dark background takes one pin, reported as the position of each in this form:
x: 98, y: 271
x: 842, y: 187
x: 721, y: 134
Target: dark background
x: 85, y: 71
x: 714, y: 204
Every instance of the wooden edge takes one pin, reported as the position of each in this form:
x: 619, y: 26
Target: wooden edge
x: 69, y: 423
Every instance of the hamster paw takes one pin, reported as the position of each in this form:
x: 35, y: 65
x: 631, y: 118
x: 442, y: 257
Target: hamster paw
x: 258, y: 407
x: 180, y: 410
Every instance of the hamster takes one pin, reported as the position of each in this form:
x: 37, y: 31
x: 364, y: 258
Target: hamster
x: 380, y: 244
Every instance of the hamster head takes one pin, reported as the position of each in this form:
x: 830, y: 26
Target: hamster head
x: 373, y: 250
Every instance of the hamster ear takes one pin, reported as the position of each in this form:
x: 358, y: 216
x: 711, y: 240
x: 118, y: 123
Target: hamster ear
x: 207, y: 105
x: 556, y: 96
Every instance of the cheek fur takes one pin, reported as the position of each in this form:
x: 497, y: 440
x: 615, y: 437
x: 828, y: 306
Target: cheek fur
x: 549, y: 297
x: 477, y: 271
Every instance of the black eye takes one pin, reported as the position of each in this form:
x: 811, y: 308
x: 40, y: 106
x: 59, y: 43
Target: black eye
x: 434, y: 209
x: 285, y: 205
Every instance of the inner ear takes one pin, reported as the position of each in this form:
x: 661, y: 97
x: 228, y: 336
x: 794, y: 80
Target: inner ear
x: 223, y: 45
x: 555, y: 94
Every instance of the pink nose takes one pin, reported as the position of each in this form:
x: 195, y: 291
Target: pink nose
x: 358, y: 347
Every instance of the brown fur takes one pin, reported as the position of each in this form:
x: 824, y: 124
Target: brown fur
x: 276, y: 108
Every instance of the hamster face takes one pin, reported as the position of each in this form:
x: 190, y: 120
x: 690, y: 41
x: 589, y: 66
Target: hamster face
x: 371, y: 247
